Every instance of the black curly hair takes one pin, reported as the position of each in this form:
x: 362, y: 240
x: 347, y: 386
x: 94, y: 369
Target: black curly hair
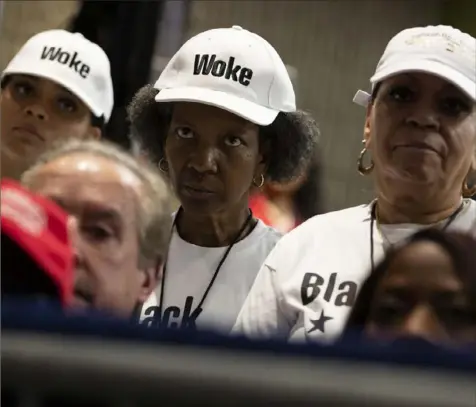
x: 292, y: 136
x: 308, y: 198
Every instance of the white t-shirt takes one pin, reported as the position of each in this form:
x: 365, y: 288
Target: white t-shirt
x: 308, y: 283
x: 190, y: 269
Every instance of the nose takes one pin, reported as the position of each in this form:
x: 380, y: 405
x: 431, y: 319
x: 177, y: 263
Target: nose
x: 80, y: 262
x: 204, y: 160
x: 422, y: 323
x: 37, y: 111
x: 75, y: 240
x: 424, y: 116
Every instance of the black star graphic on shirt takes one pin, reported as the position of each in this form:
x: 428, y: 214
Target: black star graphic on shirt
x: 319, y: 324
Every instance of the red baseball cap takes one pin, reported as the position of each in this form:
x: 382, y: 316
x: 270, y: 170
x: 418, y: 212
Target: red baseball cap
x: 40, y: 228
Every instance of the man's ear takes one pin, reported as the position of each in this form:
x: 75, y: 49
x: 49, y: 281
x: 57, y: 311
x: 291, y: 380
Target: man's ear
x: 151, y: 279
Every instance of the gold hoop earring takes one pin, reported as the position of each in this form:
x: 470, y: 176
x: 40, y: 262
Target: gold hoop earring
x: 261, y: 181
x: 163, y: 166
x: 468, y: 192
x: 360, y: 163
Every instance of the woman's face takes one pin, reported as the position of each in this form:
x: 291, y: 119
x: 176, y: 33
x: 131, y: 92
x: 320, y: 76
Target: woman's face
x: 35, y: 113
x: 212, y: 156
x: 421, y: 130
x: 422, y: 296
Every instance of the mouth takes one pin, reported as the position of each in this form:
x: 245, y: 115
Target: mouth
x: 197, y: 191
x: 417, y: 147
x: 29, y: 132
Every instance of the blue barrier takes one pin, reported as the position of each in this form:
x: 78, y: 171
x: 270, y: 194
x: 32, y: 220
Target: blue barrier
x: 49, y: 318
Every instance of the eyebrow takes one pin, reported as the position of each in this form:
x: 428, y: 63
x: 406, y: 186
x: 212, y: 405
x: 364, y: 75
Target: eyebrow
x: 29, y: 77
x: 64, y: 90
x: 408, y: 75
x: 447, y: 86
x: 92, y: 209
x: 238, y: 131
x: 37, y: 79
x: 183, y: 122
x: 103, y: 214
x: 453, y: 88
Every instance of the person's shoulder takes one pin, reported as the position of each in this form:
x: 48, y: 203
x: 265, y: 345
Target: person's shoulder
x: 265, y: 235
x: 317, y: 232
x: 330, y: 220
x: 258, y: 244
x: 468, y: 218
x: 472, y: 206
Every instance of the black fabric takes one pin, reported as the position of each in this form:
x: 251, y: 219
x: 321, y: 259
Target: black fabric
x: 127, y: 32
x: 21, y: 275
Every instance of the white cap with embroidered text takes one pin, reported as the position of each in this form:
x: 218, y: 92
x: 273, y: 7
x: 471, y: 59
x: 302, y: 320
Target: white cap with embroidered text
x: 232, y: 69
x: 441, y: 50
x: 72, y: 61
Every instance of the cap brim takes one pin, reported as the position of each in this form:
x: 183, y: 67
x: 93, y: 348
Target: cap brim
x: 48, y: 72
x: 432, y: 67
x: 250, y: 111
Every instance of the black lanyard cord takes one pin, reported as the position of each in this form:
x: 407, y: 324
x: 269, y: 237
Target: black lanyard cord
x: 220, y: 264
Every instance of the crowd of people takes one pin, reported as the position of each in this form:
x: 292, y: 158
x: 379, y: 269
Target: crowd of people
x: 250, y: 250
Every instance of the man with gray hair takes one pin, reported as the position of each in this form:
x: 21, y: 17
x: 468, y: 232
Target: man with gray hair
x: 120, y: 221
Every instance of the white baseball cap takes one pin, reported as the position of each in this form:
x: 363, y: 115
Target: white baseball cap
x: 72, y: 61
x: 232, y: 69
x: 440, y: 50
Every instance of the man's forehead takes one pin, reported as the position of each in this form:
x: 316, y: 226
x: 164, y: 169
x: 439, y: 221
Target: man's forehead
x: 88, y: 166
x: 87, y: 176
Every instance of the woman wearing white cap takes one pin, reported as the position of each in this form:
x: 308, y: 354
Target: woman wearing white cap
x: 57, y: 86
x: 420, y: 134
x: 219, y: 121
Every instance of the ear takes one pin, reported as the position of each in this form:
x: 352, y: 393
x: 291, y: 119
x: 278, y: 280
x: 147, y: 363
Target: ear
x: 263, y: 157
x: 94, y: 133
x: 151, y: 279
x: 367, y: 126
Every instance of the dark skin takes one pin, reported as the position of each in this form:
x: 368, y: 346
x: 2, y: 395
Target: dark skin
x: 212, y: 157
x: 421, y: 132
x: 36, y: 113
x: 422, y: 296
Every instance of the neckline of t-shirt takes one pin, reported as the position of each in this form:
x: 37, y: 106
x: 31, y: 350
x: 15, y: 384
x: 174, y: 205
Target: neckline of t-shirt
x: 406, y: 226
x: 257, y: 232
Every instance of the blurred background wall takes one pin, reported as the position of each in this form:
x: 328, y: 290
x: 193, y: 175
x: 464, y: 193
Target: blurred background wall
x: 331, y: 48
x: 22, y: 19
x: 461, y: 14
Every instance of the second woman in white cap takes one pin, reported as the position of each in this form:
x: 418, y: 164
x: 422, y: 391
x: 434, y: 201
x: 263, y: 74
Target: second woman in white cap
x: 220, y: 120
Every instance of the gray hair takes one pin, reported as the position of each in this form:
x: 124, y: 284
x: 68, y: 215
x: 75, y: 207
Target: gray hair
x: 155, y: 204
